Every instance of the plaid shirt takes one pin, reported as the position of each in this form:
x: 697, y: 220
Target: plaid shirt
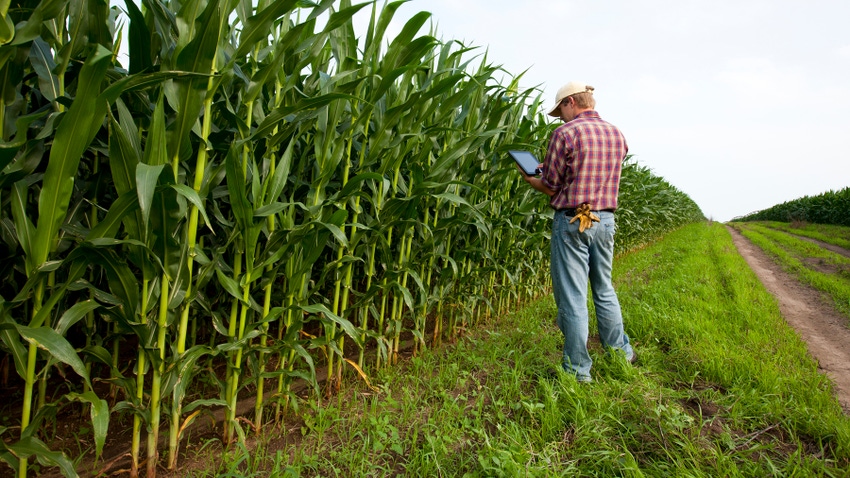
x: 583, y: 163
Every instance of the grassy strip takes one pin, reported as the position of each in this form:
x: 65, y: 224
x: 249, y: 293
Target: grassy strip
x: 831, y: 234
x: 794, y: 254
x: 800, y: 247
x: 723, y: 388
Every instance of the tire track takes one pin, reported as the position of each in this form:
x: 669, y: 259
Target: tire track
x: 818, y: 323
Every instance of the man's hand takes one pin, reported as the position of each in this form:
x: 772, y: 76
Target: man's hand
x: 537, y: 184
x: 521, y: 171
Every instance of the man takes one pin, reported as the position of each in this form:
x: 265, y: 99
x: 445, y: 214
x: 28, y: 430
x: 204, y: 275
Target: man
x: 581, y: 175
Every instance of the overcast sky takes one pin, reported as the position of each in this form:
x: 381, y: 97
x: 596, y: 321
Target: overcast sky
x: 741, y: 104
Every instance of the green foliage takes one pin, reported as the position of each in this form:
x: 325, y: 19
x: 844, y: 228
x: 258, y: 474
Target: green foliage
x: 831, y: 207
x: 723, y: 387
x: 828, y: 233
x: 248, y: 193
x: 649, y: 207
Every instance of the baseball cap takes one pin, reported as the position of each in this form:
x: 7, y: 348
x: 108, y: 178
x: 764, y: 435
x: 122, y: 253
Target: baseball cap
x: 569, y: 89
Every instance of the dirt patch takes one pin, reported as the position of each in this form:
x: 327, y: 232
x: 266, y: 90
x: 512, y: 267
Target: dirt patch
x: 830, y: 247
x: 817, y: 322
x: 824, y: 267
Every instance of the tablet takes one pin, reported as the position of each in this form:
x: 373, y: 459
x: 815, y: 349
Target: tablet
x: 529, y: 164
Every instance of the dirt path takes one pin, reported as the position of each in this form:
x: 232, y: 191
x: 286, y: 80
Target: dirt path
x: 818, y: 323
x: 830, y: 247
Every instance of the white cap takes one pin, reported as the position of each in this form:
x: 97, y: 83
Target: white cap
x: 569, y: 89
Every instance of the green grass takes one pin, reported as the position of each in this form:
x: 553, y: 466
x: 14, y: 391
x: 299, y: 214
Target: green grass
x: 831, y: 234
x: 824, y: 270
x: 723, y: 388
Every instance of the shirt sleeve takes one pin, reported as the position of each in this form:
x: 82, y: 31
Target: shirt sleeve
x: 554, y: 166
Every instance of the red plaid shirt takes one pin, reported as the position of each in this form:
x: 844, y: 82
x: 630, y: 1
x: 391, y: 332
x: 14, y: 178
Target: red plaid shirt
x: 583, y: 163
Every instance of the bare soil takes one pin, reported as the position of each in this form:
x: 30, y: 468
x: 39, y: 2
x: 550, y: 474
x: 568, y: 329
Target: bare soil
x: 817, y: 322
x: 830, y: 247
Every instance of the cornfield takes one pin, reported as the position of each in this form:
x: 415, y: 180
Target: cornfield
x: 831, y: 207
x: 261, y: 197
x: 649, y: 207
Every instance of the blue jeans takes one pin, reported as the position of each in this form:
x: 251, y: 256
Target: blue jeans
x: 575, y: 258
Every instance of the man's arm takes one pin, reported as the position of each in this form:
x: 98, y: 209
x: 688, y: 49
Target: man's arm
x: 536, y: 183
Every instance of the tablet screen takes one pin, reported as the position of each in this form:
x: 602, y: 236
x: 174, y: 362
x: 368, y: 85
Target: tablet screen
x: 526, y: 161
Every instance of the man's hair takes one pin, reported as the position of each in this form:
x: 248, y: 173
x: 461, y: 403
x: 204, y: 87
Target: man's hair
x: 584, y: 100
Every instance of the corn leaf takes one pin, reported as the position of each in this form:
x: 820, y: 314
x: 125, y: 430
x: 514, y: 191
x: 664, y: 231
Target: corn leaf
x: 257, y: 27
x: 243, y: 210
x: 156, y: 152
x: 80, y: 19
x: 24, y: 228
x: 99, y: 416
x: 7, y: 28
x: 10, y: 336
x: 31, y: 446
x: 30, y: 29
x: 230, y: 285
x: 139, y: 39
x: 122, y: 282
x: 147, y: 178
x: 192, y: 196
x: 118, y: 213
x: 326, y: 315
x: 74, y: 315
x: 74, y: 134
x: 42, y: 62
x: 185, y: 368
x: 57, y: 346
x: 186, y: 95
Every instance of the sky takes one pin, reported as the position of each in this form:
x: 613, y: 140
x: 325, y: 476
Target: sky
x: 740, y: 104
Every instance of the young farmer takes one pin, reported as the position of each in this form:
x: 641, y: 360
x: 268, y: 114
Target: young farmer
x: 581, y: 175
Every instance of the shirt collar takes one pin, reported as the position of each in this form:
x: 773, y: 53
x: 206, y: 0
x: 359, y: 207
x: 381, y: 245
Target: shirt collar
x: 587, y: 114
